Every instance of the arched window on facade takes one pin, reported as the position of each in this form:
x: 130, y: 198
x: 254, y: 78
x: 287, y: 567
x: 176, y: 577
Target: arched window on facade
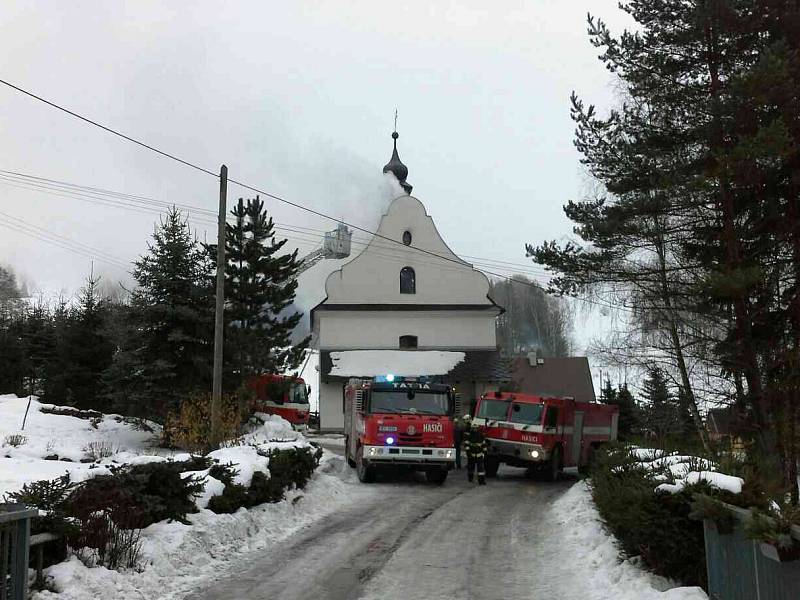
x: 408, y: 281
x: 408, y: 341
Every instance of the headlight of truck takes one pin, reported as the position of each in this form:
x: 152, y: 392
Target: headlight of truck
x: 449, y: 454
x: 534, y: 454
x: 374, y: 451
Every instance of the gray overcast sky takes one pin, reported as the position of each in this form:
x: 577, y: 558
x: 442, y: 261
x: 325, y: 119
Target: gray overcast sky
x: 297, y: 98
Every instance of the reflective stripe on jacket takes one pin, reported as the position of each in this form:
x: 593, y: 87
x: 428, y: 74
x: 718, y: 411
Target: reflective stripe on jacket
x: 474, y: 443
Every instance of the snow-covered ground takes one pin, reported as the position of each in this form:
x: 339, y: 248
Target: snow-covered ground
x: 589, y: 558
x: 576, y: 554
x: 182, y: 558
x: 175, y: 557
x: 67, y: 440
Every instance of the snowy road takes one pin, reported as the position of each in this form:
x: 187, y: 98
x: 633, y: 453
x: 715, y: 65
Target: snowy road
x: 450, y: 541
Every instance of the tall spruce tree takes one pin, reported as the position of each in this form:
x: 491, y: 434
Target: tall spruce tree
x: 629, y: 418
x: 84, y: 350
x: 661, y: 415
x: 170, y: 351
x: 259, y: 288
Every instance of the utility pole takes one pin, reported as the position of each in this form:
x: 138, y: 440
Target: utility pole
x: 219, y: 321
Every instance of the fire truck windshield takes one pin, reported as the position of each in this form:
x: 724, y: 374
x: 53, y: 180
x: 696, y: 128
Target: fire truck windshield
x: 409, y: 402
x: 493, y: 409
x: 530, y: 414
x: 298, y: 394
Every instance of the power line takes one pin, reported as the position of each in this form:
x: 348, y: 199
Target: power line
x: 208, y: 172
x: 240, y: 183
x: 108, y: 129
x: 111, y: 198
x: 20, y: 226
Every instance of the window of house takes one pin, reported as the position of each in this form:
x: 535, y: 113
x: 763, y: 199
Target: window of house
x: 408, y: 341
x: 408, y: 281
x: 407, y: 238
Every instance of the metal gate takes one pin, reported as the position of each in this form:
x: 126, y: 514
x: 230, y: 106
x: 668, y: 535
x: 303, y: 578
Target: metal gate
x: 738, y: 570
x: 15, y: 530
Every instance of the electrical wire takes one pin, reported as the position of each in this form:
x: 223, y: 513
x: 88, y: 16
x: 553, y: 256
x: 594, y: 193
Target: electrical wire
x: 245, y: 185
x: 19, y: 226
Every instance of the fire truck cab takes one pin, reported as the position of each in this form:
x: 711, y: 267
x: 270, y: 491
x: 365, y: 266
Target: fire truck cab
x: 282, y: 395
x: 395, y: 421
x: 542, y: 434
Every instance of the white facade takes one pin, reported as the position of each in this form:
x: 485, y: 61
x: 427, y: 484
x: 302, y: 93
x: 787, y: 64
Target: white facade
x: 434, y: 330
x: 365, y: 309
x: 372, y: 277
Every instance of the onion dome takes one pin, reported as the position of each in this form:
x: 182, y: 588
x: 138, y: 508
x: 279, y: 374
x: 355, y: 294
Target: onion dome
x: 397, y: 167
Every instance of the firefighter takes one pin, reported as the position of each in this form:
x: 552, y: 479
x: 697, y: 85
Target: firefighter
x: 475, y: 447
x: 458, y: 437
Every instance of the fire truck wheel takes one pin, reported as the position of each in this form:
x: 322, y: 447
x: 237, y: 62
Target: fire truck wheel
x: 364, y: 472
x: 554, y: 466
x: 438, y: 476
x: 350, y: 461
x: 492, y: 465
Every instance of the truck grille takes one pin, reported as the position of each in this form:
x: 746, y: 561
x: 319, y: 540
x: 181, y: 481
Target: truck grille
x: 405, y: 439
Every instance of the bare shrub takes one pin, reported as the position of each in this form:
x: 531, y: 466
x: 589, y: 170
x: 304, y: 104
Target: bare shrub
x: 102, y: 542
x: 15, y: 439
x: 99, y: 450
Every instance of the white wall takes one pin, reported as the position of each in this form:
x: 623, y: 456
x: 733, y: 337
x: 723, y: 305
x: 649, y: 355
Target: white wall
x: 450, y: 330
x: 373, y: 277
x: 331, y: 415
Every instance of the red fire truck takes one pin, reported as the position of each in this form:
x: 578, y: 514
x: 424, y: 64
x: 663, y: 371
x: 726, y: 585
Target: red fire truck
x: 543, y: 434
x: 282, y: 395
x: 399, y: 421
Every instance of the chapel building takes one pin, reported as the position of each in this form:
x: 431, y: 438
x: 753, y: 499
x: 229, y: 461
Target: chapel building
x: 406, y: 305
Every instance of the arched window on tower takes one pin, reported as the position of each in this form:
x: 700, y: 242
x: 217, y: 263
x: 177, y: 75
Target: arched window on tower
x: 408, y: 281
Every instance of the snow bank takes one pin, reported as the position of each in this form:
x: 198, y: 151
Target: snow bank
x: 716, y: 480
x: 180, y: 559
x: 676, y: 471
x: 368, y: 363
x: 176, y: 557
x: 65, y: 441
x: 588, y: 558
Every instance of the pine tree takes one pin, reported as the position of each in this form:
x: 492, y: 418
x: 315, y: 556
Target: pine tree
x: 260, y: 287
x: 171, y: 324
x: 39, y: 345
x: 10, y: 292
x: 608, y: 395
x: 12, y: 353
x: 661, y: 411
x: 628, y: 424
x: 84, y: 349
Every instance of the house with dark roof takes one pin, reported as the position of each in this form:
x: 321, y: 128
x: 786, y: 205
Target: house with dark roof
x: 565, y: 376
x: 407, y: 304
